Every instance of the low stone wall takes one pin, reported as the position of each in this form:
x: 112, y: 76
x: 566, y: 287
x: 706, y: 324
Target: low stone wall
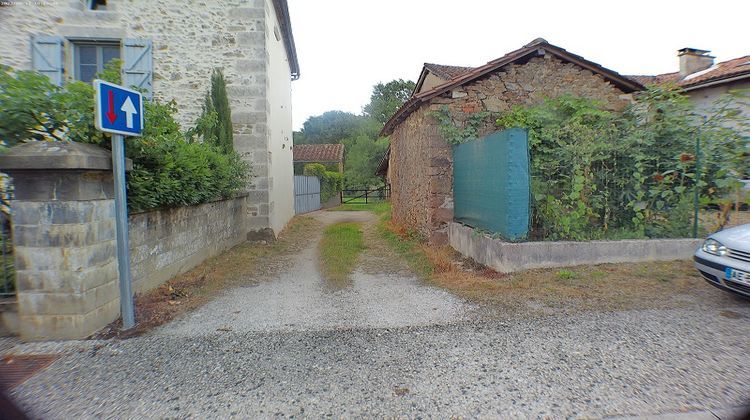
x: 165, y: 243
x: 507, y: 257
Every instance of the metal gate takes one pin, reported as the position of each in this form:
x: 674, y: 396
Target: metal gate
x: 306, y: 194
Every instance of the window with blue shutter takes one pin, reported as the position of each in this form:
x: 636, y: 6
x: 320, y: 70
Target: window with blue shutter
x: 47, y: 57
x: 137, y: 67
x: 91, y: 57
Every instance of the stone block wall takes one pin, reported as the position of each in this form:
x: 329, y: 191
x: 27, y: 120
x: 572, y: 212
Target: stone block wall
x: 421, y: 161
x: 420, y: 174
x: 66, y: 267
x: 165, y: 243
x: 64, y: 239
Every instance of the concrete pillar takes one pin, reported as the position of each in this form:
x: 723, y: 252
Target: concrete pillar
x: 63, y: 220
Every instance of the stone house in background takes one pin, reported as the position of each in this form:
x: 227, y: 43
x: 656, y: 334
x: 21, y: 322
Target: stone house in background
x: 169, y: 48
x: 703, y: 80
x: 419, y: 164
x: 329, y: 155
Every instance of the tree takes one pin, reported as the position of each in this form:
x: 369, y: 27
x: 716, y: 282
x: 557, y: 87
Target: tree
x: 334, y: 126
x: 215, y: 124
x: 387, y: 98
x: 363, y: 157
x: 359, y: 133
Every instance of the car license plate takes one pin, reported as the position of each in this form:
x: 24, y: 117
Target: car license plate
x: 737, y: 275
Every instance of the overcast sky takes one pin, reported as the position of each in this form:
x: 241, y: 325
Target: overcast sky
x: 347, y: 46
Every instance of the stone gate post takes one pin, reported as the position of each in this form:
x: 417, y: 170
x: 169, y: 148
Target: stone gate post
x: 63, y: 226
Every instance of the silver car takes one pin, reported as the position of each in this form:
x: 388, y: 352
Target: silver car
x: 724, y: 259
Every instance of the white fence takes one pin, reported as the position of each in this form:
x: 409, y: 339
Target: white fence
x: 306, y: 194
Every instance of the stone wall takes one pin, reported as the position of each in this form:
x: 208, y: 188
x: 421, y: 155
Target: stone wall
x: 421, y: 160
x: 165, y: 243
x: 507, y: 257
x: 64, y: 239
x: 419, y: 166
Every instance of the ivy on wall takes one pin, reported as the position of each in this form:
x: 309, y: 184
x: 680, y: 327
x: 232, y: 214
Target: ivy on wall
x: 331, y: 182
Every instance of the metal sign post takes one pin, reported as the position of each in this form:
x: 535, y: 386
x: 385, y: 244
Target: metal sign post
x: 121, y: 221
x: 119, y: 111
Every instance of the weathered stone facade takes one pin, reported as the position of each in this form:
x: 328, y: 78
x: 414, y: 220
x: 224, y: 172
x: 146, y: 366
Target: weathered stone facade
x: 165, y: 243
x: 421, y: 160
x: 190, y: 39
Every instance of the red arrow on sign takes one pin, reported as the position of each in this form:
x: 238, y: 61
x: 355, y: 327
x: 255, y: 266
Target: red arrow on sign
x: 111, y: 115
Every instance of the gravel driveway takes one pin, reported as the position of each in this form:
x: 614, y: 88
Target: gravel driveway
x: 389, y: 346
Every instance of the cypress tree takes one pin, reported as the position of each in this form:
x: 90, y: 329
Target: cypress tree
x: 219, y: 101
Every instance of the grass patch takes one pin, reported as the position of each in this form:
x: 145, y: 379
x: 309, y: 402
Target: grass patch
x: 408, y: 245
x: 245, y: 264
x: 339, y: 249
x: 566, y: 274
x: 377, y: 208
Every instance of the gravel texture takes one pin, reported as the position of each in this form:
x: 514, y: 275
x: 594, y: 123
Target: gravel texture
x: 390, y: 346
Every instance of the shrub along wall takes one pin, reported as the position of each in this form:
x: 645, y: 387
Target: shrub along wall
x: 171, y: 167
x: 331, y: 183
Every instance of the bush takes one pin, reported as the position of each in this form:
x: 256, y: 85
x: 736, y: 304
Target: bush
x: 601, y: 174
x: 170, y: 168
x: 331, y: 183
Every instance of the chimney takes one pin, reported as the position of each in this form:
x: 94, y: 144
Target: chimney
x: 693, y: 60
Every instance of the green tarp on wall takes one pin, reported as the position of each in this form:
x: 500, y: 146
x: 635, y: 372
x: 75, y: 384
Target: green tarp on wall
x: 491, y: 183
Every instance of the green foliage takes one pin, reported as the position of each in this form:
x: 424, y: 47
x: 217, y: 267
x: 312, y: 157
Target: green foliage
x: 171, y: 172
x: 339, y: 249
x: 169, y: 169
x: 331, y: 185
x: 331, y: 182
x: 358, y: 133
x: 214, y: 125
x: 334, y: 126
x: 300, y: 166
x: 314, y: 169
x: 601, y: 174
x: 455, y: 134
x: 566, y: 274
x: 363, y: 157
x: 387, y: 98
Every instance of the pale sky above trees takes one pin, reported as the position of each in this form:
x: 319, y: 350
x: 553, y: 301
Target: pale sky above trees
x: 347, y: 46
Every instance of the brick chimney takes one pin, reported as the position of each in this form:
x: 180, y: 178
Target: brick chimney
x: 693, y: 60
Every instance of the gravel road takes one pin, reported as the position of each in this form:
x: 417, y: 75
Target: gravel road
x: 389, y: 346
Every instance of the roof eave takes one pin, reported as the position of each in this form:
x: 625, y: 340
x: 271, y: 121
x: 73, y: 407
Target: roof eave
x: 622, y: 82
x: 285, y: 23
x: 717, y: 81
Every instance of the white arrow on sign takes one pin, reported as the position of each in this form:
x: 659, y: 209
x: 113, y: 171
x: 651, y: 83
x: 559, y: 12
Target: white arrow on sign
x: 129, y: 109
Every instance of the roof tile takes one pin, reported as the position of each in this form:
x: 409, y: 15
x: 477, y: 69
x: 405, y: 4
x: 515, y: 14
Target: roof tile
x: 726, y: 69
x: 318, y: 152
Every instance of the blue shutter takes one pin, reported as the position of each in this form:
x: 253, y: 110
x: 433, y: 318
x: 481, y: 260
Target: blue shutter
x: 137, y: 66
x: 47, y: 57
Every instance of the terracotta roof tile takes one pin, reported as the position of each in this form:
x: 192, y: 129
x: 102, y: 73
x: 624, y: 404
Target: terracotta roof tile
x: 724, y: 70
x: 447, y: 72
x: 535, y: 47
x: 318, y: 152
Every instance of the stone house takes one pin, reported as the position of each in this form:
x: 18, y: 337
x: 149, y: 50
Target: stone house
x: 169, y: 48
x: 329, y: 155
x: 703, y: 80
x: 419, y: 164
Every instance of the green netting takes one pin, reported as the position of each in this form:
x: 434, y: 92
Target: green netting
x: 491, y: 183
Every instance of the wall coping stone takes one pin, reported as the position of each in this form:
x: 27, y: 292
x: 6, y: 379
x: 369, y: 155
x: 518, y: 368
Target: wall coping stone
x: 508, y: 257
x: 45, y: 155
